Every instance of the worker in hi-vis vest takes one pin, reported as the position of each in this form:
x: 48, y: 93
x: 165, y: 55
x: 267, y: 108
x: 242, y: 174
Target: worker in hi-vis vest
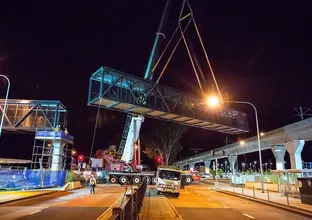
x: 92, y: 184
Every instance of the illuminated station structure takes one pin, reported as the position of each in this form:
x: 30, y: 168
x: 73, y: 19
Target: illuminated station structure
x: 51, y: 149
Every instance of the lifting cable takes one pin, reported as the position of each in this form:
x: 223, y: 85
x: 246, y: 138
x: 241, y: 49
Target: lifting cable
x: 95, y: 128
x: 182, y: 31
x: 205, y: 52
x: 174, y: 49
x: 187, y: 47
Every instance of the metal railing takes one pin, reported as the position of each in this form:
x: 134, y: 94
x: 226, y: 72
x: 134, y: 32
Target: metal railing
x: 285, y: 197
x: 131, y: 205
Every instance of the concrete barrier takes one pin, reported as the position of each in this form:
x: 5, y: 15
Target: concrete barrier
x: 72, y: 185
x: 267, y: 186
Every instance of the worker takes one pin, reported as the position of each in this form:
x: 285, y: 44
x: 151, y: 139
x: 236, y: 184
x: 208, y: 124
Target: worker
x: 58, y: 128
x: 66, y: 131
x: 92, y: 184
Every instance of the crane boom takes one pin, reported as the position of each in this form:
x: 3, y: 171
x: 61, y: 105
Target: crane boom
x: 131, y: 150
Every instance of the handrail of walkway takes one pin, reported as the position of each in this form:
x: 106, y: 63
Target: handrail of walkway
x: 130, y: 207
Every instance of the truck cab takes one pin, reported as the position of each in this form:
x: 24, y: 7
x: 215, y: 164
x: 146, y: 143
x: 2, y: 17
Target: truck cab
x: 168, y: 180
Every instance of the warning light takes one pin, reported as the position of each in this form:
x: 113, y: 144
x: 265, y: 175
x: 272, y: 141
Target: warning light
x: 80, y: 158
x: 158, y: 159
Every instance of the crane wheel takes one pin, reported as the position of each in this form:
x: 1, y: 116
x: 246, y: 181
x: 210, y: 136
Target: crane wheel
x: 136, y: 180
x: 148, y: 180
x: 123, y: 180
x: 154, y: 180
x: 113, y: 180
x: 188, y: 179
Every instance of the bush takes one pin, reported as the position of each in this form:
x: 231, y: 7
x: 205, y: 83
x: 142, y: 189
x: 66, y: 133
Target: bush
x: 71, y: 176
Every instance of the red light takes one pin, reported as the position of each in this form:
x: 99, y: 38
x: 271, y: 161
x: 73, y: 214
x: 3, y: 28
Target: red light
x: 80, y: 158
x: 158, y: 159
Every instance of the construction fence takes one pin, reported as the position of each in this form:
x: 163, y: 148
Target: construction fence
x: 30, y: 179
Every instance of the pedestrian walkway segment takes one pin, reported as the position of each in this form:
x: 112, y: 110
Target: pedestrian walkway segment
x: 31, y: 115
x: 115, y: 90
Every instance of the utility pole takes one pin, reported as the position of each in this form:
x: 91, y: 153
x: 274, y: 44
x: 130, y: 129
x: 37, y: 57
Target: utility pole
x: 301, y: 112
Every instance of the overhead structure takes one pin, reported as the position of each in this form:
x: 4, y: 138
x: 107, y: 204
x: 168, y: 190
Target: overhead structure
x: 115, y: 90
x: 31, y: 115
x: 290, y: 138
x: 13, y: 161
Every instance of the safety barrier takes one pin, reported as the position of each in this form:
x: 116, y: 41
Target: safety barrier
x: 131, y: 205
x: 30, y: 179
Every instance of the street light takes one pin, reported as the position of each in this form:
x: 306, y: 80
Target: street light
x: 5, y: 102
x: 73, y: 152
x: 242, y: 143
x: 214, y: 101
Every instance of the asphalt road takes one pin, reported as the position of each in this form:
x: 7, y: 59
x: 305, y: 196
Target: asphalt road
x: 78, y: 204
x: 202, y: 203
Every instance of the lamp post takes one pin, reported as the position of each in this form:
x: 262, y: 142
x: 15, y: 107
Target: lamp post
x: 5, y: 102
x: 213, y: 101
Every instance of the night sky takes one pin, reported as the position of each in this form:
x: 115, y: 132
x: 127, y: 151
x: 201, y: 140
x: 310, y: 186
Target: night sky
x: 260, y: 52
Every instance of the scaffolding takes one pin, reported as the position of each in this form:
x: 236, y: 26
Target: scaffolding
x: 52, y: 151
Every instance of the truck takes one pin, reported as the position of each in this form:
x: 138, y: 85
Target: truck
x: 168, y: 181
x: 127, y: 169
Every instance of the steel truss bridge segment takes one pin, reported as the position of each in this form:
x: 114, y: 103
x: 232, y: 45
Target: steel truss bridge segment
x: 115, y: 90
x: 31, y: 115
x: 301, y: 130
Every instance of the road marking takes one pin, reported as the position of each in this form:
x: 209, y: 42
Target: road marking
x: 209, y: 200
x: 34, y: 212
x: 64, y: 202
x: 249, y: 216
x: 225, y: 206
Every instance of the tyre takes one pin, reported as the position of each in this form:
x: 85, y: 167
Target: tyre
x: 158, y: 193
x: 113, y: 180
x: 148, y: 180
x: 154, y: 180
x: 123, y: 180
x: 136, y: 180
x: 177, y: 195
x: 188, y: 180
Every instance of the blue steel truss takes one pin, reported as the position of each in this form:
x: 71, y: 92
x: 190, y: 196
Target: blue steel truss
x: 32, y: 115
x: 115, y: 90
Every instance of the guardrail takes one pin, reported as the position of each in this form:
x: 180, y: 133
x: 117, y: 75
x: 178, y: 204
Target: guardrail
x: 131, y: 205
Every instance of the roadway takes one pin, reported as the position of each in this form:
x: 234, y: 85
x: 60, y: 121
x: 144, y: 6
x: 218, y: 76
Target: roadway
x: 198, y: 202
x: 78, y: 204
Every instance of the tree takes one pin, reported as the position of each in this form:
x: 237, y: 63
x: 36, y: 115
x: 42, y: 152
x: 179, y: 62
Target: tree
x: 164, y: 141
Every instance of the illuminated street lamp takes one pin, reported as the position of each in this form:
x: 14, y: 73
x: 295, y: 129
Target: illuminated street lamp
x: 242, y: 143
x: 73, y: 152
x: 214, y: 101
x: 5, y: 102
x: 261, y: 134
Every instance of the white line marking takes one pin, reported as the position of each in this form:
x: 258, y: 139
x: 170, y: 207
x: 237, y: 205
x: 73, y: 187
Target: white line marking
x: 34, y: 212
x: 249, y: 216
x: 209, y: 200
x: 225, y: 206
x: 64, y: 202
